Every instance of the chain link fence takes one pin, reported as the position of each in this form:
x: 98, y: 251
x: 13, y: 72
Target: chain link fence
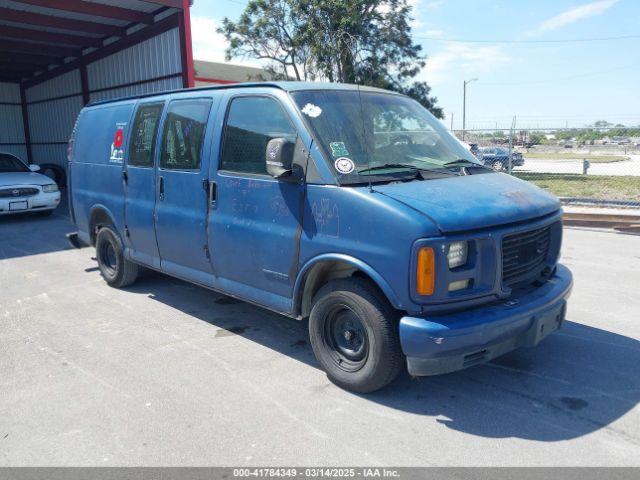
x: 583, y: 166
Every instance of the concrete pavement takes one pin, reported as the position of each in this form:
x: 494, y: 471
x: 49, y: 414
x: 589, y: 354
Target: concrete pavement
x: 165, y: 373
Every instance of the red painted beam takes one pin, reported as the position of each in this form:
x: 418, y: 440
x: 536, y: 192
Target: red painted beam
x: 28, y: 18
x: 50, y: 37
x: 117, y: 46
x: 37, y: 48
x: 218, y: 81
x: 40, y: 60
x: 10, y: 78
x: 97, y: 9
x: 22, y: 68
x: 166, y: 3
x: 25, y: 123
x: 186, y: 46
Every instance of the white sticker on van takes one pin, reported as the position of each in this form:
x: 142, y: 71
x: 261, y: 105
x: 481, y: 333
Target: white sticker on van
x: 312, y: 110
x: 117, y: 147
x: 344, y: 165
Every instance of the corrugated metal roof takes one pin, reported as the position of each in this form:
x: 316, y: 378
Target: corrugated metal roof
x: 42, y: 34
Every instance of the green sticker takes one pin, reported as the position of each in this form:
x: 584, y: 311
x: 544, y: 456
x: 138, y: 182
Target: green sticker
x: 338, y: 149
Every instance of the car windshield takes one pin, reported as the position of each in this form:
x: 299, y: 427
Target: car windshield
x: 378, y: 137
x: 10, y: 164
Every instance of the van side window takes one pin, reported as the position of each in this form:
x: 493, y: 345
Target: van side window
x: 183, y: 134
x: 251, y: 123
x: 145, y: 131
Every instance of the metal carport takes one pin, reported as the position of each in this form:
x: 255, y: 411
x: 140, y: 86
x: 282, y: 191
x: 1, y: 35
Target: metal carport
x: 58, y: 55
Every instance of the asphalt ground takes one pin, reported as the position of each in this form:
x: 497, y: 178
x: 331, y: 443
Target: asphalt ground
x: 166, y: 373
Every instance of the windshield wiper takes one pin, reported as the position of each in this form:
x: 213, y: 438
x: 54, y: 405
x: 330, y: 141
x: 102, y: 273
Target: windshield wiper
x: 390, y: 165
x: 463, y: 162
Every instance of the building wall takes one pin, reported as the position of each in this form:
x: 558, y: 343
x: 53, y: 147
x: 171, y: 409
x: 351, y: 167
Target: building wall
x: 152, y: 65
x: 11, y: 126
x: 128, y: 72
x: 53, y: 107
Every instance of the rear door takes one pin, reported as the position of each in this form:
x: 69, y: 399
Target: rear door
x: 181, y: 206
x: 140, y: 184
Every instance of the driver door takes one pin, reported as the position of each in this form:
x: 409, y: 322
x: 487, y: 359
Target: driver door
x: 255, y: 220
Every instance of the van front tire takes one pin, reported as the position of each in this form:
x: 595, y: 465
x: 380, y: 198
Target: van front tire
x: 354, y: 335
x: 117, y: 271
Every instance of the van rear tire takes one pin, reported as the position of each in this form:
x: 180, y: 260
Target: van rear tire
x: 117, y: 271
x: 354, y: 334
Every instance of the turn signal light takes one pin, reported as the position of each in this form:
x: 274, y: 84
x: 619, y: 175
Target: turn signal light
x: 425, y: 275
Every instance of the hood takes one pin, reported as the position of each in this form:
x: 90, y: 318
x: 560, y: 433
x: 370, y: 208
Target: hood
x: 473, y: 201
x: 23, y: 178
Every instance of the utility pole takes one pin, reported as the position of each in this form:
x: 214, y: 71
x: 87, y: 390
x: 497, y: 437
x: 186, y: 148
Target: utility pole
x: 451, y: 122
x: 464, y: 105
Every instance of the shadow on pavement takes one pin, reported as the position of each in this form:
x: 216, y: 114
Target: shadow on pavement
x: 578, y: 380
x: 26, y: 234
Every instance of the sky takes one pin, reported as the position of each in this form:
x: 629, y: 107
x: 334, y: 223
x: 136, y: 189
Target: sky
x: 523, y: 53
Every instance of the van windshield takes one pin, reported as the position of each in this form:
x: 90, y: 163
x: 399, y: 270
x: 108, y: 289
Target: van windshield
x: 380, y: 137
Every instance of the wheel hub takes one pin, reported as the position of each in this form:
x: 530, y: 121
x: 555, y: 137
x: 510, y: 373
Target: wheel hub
x: 347, y: 337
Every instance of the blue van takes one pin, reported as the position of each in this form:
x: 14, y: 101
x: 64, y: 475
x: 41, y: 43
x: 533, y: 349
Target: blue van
x: 348, y: 206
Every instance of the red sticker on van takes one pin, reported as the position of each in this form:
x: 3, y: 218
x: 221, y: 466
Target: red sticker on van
x: 118, y: 140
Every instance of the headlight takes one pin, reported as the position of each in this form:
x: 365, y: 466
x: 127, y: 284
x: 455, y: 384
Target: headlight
x: 52, y: 187
x: 458, y: 252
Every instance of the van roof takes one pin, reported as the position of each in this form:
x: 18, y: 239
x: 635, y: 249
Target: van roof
x: 286, y: 86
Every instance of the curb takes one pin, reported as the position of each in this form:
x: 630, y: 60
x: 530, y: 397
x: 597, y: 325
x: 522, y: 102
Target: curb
x: 618, y: 221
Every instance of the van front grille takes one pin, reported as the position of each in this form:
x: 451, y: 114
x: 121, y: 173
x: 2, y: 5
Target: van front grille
x: 524, y: 255
x: 18, y: 192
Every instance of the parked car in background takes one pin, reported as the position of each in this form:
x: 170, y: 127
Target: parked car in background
x: 24, y: 190
x: 473, y: 148
x: 498, y: 158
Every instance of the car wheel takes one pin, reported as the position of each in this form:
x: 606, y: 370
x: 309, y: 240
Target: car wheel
x: 497, y: 166
x: 354, y: 335
x: 117, y: 271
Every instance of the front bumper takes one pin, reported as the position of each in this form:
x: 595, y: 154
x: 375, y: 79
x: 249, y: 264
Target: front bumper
x: 446, y: 343
x: 37, y: 203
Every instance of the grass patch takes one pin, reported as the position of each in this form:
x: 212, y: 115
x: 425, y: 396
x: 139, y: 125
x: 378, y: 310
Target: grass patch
x: 576, y: 157
x: 601, y: 187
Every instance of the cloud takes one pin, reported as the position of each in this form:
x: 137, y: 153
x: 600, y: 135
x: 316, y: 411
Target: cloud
x: 576, y: 14
x: 210, y: 46
x: 433, y: 4
x: 433, y: 33
x: 207, y: 43
x: 459, y: 59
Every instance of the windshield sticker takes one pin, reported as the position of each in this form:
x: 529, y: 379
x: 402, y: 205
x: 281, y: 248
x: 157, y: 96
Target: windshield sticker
x: 344, y: 165
x: 312, y: 110
x: 338, y: 149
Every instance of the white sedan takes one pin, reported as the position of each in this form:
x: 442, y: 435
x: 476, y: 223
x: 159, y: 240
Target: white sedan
x: 24, y: 190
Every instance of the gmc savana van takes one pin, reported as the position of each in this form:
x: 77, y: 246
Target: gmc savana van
x: 348, y: 206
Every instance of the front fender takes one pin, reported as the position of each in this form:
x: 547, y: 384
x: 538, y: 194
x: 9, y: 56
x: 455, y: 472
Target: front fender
x: 359, y: 264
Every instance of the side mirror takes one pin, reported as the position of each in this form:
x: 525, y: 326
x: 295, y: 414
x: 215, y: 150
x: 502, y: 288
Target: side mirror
x: 34, y: 168
x: 279, y: 157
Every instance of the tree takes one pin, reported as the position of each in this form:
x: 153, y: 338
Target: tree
x: 367, y: 42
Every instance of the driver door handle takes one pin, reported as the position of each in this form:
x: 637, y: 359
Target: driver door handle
x: 161, y: 188
x: 212, y: 193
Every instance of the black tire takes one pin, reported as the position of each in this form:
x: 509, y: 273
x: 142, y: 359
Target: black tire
x: 497, y: 165
x: 117, y: 271
x: 354, y: 334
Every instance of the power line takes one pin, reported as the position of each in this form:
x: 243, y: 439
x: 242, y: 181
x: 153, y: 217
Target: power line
x: 569, y: 40
x: 559, y: 79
